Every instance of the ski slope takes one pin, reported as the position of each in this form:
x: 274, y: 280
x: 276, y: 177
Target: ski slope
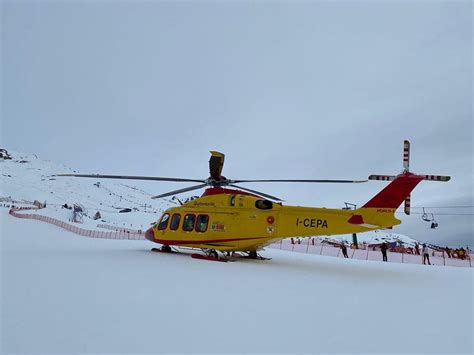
x: 69, y: 294
x: 27, y: 178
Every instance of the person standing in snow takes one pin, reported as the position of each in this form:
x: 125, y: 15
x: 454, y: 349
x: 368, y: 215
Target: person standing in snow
x: 384, y: 248
x: 426, y: 254
x: 417, y: 249
x: 344, y: 249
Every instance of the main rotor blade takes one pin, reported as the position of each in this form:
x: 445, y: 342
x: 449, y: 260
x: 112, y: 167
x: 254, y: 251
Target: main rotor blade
x: 175, y: 192
x: 216, y: 163
x: 151, y: 178
x: 257, y: 193
x: 291, y: 180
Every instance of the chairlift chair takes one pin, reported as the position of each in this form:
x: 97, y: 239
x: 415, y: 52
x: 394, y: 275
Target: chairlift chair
x: 434, y: 224
x: 425, y: 216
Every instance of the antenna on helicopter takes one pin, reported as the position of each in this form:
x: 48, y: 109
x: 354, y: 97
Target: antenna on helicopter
x: 349, y: 206
x: 406, y: 171
x: 174, y: 198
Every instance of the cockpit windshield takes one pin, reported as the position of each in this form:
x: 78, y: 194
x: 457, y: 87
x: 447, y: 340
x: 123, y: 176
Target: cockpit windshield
x: 164, y: 221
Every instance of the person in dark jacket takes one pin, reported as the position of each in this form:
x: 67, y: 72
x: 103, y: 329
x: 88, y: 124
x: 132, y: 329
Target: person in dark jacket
x: 384, y: 248
x: 417, y: 249
x: 344, y: 249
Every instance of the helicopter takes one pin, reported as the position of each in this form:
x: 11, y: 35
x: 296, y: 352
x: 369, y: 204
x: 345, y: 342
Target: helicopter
x: 230, y: 219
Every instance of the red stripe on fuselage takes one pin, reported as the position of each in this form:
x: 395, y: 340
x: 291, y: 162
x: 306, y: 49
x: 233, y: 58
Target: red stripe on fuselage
x: 177, y: 242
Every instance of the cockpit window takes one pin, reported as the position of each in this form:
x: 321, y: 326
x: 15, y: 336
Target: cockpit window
x: 232, y: 200
x: 201, y: 223
x: 175, y: 221
x: 188, y: 224
x: 164, y: 221
x: 264, y: 204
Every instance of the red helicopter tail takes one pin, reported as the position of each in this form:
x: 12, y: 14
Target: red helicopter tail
x: 399, y: 189
x: 393, y: 195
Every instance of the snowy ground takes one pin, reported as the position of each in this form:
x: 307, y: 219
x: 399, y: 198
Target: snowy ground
x: 65, y: 293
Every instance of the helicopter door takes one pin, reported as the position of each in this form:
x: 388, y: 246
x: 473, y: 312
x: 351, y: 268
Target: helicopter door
x: 189, y: 221
x: 201, y: 223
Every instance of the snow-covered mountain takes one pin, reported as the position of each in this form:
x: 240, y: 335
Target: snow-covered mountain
x: 26, y: 178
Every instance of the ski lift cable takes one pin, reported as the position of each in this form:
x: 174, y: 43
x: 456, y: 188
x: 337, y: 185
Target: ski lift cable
x: 444, y: 207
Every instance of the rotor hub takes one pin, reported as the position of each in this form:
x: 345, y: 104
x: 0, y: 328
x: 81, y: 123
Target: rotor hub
x: 222, y: 181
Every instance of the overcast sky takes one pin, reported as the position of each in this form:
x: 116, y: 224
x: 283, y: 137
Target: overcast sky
x: 286, y: 89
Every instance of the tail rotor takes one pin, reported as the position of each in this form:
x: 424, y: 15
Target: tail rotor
x: 406, y: 155
x: 407, y: 204
x: 406, y: 171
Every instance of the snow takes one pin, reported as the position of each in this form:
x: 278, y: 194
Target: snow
x: 70, y: 294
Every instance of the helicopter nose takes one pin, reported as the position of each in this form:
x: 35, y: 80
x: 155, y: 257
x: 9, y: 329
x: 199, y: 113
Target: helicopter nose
x: 150, y: 235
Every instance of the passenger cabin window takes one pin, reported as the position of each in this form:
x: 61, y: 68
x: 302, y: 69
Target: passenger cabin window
x: 188, y: 224
x: 232, y: 200
x: 202, y: 222
x: 164, y: 221
x: 175, y: 221
x: 264, y: 204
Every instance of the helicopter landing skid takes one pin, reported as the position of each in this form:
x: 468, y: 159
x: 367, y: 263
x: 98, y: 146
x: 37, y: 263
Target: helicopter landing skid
x: 166, y: 251
x: 194, y: 256
x: 210, y: 258
x: 251, y: 257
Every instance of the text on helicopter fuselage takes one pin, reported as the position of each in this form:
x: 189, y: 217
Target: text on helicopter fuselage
x: 312, y: 223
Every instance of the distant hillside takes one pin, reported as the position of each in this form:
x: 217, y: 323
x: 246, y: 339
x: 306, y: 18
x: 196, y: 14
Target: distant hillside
x: 26, y: 178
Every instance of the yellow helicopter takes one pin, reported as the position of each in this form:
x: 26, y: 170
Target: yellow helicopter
x: 239, y: 219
